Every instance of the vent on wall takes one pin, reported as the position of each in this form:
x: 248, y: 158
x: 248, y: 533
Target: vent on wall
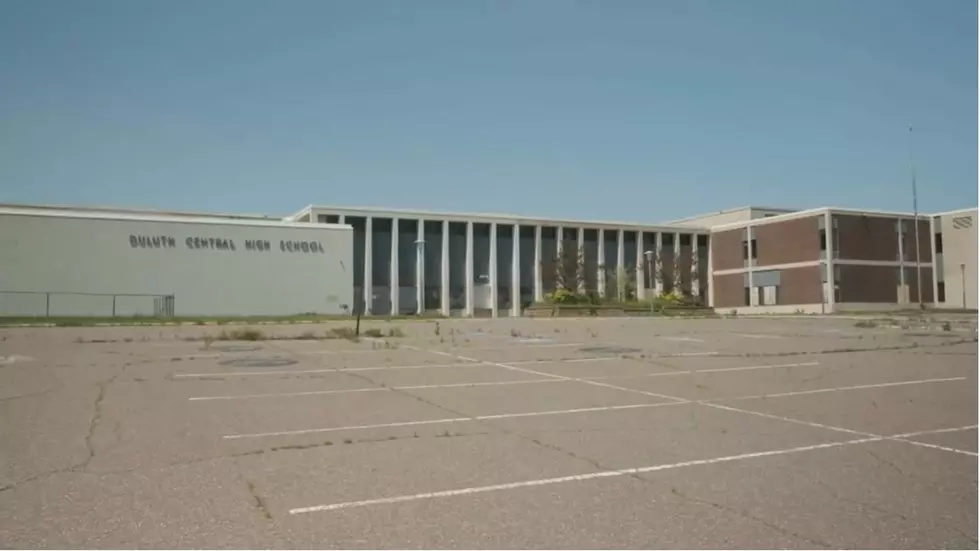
x: 962, y: 222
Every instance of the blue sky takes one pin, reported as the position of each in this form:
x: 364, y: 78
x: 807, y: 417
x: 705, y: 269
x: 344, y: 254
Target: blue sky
x: 625, y: 110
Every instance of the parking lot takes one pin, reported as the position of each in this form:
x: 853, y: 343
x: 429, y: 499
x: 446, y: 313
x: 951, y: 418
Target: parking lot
x: 523, y: 433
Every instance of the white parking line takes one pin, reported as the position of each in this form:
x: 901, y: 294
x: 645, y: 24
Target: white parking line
x: 757, y: 336
x: 518, y: 346
x: 372, y: 389
x: 329, y: 370
x: 588, y: 476
x: 682, y: 339
x: 700, y: 371
x: 448, y: 420
x: 838, y: 389
x: 473, y: 363
x: 897, y: 438
x: 676, y: 401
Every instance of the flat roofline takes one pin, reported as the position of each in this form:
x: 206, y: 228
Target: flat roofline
x: 136, y: 210
x: 957, y: 211
x: 727, y: 211
x: 498, y: 218
x: 814, y: 212
x: 150, y: 217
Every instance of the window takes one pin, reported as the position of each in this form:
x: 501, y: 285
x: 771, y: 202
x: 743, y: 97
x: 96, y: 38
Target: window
x: 823, y: 240
x: 941, y: 291
x: 939, y: 243
x: 747, y: 297
x: 745, y: 250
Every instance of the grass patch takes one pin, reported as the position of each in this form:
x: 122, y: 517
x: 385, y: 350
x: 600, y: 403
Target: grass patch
x: 87, y: 321
x: 247, y: 334
x: 865, y: 324
x: 342, y: 333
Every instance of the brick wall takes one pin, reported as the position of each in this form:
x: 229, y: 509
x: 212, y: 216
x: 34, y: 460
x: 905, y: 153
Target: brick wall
x: 796, y: 240
x: 800, y: 286
x: 868, y: 284
x: 911, y: 277
x: 729, y: 291
x: 726, y: 249
x: 867, y: 237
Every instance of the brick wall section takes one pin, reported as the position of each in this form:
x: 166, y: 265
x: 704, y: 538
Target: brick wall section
x: 868, y: 237
x: 925, y: 245
x: 868, y: 283
x: 796, y: 240
x: 729, y: 291
x: 726, y: 249
x: 880, y: 284
x: 800, y: 286
x: 910, y: 279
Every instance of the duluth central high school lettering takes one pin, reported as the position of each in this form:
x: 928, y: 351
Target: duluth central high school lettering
x: 222, y: 244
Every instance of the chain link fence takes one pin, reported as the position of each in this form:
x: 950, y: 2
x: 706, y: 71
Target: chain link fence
x: 66, y: 304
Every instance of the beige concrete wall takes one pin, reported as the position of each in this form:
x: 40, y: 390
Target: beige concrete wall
x: 959, y: 247
x: 208, y: 265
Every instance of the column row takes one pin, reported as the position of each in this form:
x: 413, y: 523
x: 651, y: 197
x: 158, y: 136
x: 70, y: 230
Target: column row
x: 411, y: 265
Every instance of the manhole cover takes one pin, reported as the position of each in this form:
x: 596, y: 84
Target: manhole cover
x: 609, y: 350
x: 258, y: 362
x: 234, y: 348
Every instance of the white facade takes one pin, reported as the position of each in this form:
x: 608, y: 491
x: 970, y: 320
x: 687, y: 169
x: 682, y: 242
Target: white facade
x: 954, y: 244
x: 92, y: 263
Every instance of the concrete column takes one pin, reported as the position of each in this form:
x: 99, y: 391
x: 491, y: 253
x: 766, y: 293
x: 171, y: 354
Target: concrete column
x: 340, y: 219
x: 901, y: 261
x: 659, y: 258
x: 579, y: 250
x: 394, y: 288
x: 444, y: 298
x: 368, y: 290
x: 676, y: 267
x: 749, y: 233
x: 538, y: 283
x: 600, y: 276
x: 420, y: 268
x: 620, y: 263
x: 641, y: 284
x: 711, y: 283
x: 493, y: 269
x: 559, y: 240
x: 695, y: 263
x: 469, y: 269
x: 515, y: 272
x: 828, y: 225
x: 935, y: 261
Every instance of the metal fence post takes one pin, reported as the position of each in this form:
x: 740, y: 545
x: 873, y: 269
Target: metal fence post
x: 113, y: 305
x: 47, y: 305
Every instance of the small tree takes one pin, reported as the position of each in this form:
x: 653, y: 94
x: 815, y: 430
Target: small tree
x: 695, y: 273
x: 676, y: 276
x: 580, y: 270
x: 627, y: 284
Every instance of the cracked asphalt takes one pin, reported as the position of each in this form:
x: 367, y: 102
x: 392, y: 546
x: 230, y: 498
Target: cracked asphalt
x: 506, y: 433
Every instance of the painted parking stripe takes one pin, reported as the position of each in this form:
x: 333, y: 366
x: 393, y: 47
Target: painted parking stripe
x: 372, y: 389
x: 581, y: 477
x: 330, y: 370
x: 448, y: 420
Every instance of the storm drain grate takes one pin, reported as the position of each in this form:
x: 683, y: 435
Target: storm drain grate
x: 258, y: 362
